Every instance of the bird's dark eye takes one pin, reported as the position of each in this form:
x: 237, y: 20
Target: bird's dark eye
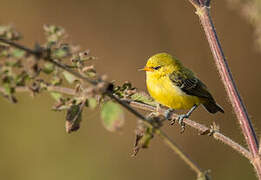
x: 157, y: 67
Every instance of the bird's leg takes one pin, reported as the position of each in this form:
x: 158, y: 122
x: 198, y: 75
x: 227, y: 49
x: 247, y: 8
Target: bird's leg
x: 183, y: 116
x: 168, y: 114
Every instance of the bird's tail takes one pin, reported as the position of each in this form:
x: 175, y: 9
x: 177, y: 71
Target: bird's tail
x: 212, y: 107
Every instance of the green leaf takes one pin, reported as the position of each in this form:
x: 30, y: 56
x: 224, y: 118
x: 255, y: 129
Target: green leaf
x: 142, y: 97
x: 112, y: 116
x: 57, y: 96
x: 69, y: 77
x: 3, y: 53
x: 56, y: 81
x: 48, y: 68
x: 17, y: 53
x: 61, y: 53
x: 147, y: 137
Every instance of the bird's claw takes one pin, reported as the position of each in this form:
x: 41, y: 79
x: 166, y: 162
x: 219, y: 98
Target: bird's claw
x: 168, y: 114
x: 181, y: 123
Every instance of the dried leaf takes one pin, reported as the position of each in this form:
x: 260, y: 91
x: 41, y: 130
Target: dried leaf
x: 144, y: 135
x: 73, y: 118
x: 112, y: 116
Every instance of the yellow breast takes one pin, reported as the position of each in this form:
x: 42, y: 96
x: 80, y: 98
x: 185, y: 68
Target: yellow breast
x: 167, y: 94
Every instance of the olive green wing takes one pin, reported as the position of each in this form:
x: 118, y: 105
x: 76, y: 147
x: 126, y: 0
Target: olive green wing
x: 190, y: 85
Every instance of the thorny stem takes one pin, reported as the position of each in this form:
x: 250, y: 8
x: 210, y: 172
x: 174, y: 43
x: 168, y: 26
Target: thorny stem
x: 202, y: 10
x: 40, y: 54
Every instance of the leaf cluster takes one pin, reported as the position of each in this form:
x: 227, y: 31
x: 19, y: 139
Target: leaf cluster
x: 20, y: 71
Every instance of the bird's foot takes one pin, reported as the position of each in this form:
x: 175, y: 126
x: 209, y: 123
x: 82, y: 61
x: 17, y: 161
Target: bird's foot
x: 168, y: 113
x: 180, y: 121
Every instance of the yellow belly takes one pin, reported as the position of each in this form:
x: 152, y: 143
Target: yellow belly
x: 167, y: 94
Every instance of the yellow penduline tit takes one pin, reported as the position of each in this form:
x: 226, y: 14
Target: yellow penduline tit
x: 175, y: 86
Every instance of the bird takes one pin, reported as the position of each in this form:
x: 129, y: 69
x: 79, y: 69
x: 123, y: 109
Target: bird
x: 175, y: 86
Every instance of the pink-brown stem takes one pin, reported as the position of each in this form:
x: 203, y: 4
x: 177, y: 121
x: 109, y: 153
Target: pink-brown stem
x: 202, y: 10
x: 200, y: 127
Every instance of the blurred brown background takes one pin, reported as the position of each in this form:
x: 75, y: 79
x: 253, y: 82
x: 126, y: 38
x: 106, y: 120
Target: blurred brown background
x: 123, y: 34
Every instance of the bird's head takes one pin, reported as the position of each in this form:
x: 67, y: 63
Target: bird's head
x: 162, y: 64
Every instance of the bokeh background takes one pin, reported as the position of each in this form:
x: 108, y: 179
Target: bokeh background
x: 123, y: 34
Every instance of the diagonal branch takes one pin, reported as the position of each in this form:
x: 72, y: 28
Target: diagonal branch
x: 45, y: 55
x: 200, y: 127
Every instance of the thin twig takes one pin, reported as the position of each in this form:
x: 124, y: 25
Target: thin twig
x: 202, y: 10
x: 184, y: 156
x: 46, y: 56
